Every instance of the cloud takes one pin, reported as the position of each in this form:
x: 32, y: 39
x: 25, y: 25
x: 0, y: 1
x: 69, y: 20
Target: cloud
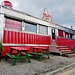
x: 62, y: 11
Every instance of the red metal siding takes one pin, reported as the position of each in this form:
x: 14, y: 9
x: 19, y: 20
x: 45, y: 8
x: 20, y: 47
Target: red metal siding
x: 25, y: 38
x: 5, y: 37
x: 19, y: 37
x: 12, y: 37
x: 32, y: 39
x: 9, y: 35
x: 16, y: 37
x: 65, y: 42
x: 22, y: 38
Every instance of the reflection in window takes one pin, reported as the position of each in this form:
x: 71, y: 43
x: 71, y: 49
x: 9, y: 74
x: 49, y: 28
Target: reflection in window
x: 43, y: 29
x: 30, y: 27
x: 71, y: 36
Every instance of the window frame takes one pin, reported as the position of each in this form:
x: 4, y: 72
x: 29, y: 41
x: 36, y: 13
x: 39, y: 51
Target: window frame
x: 31, y: 24
x: 46, y: 30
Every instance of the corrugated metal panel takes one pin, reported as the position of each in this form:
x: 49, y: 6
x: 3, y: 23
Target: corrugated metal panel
x: 19, y: 37
x: 9, y: 36
x: 12, y: 37
x: 22, y: 38
x: 5, y: 37
x: 16, y: 37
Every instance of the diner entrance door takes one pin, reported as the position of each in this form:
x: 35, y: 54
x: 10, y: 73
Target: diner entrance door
x: 53, y: 37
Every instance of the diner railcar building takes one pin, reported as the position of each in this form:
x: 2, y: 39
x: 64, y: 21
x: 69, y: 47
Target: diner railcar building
x: 21, y: 29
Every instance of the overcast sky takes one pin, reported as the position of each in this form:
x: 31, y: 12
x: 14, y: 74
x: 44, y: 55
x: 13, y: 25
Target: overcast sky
x: 62, y: 11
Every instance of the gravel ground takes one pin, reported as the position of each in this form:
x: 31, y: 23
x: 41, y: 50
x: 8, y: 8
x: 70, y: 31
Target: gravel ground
x: 36, y: 67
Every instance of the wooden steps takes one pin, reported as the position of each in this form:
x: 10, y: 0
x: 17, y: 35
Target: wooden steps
x: 70, y: 55
x: 65, y: 50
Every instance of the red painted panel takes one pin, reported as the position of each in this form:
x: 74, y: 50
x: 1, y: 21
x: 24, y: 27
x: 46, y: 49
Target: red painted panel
x: 27, y: 38
x: 72, y: 42
x: 13, y: 24
x: 9, y: 37
x: 22, y: 38
x: 19, y: 37
x: 12, y: 37
x: 39, y: 39
x: 47, y: 40
x: 5, y: 36
x: 44, y: 40
x: 36, y: 39
x: 32, y: 39
x: 60, y: 33
x: 65, y: 42
x: 16, y: 37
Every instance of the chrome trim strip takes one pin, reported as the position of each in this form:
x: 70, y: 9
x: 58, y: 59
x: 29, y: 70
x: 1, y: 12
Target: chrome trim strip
x: 25, y: 32
x: 23, y: 45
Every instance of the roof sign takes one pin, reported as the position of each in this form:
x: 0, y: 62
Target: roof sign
x: 46, y: 15
x: 7, y: 4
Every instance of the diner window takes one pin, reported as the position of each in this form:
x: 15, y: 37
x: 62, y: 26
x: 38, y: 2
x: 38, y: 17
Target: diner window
x: 66, y: 35
x: 13, y: 24
x: 30, y: 27
x: 43, y: 29
x: 60, y: 32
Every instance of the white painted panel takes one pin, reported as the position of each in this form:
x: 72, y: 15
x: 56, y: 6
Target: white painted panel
x: 49, y: 30
x: 26, y: 17
x: 56, y: 32
x: 63, y: 33
x: 74, y: 36
x: 2, y: 25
